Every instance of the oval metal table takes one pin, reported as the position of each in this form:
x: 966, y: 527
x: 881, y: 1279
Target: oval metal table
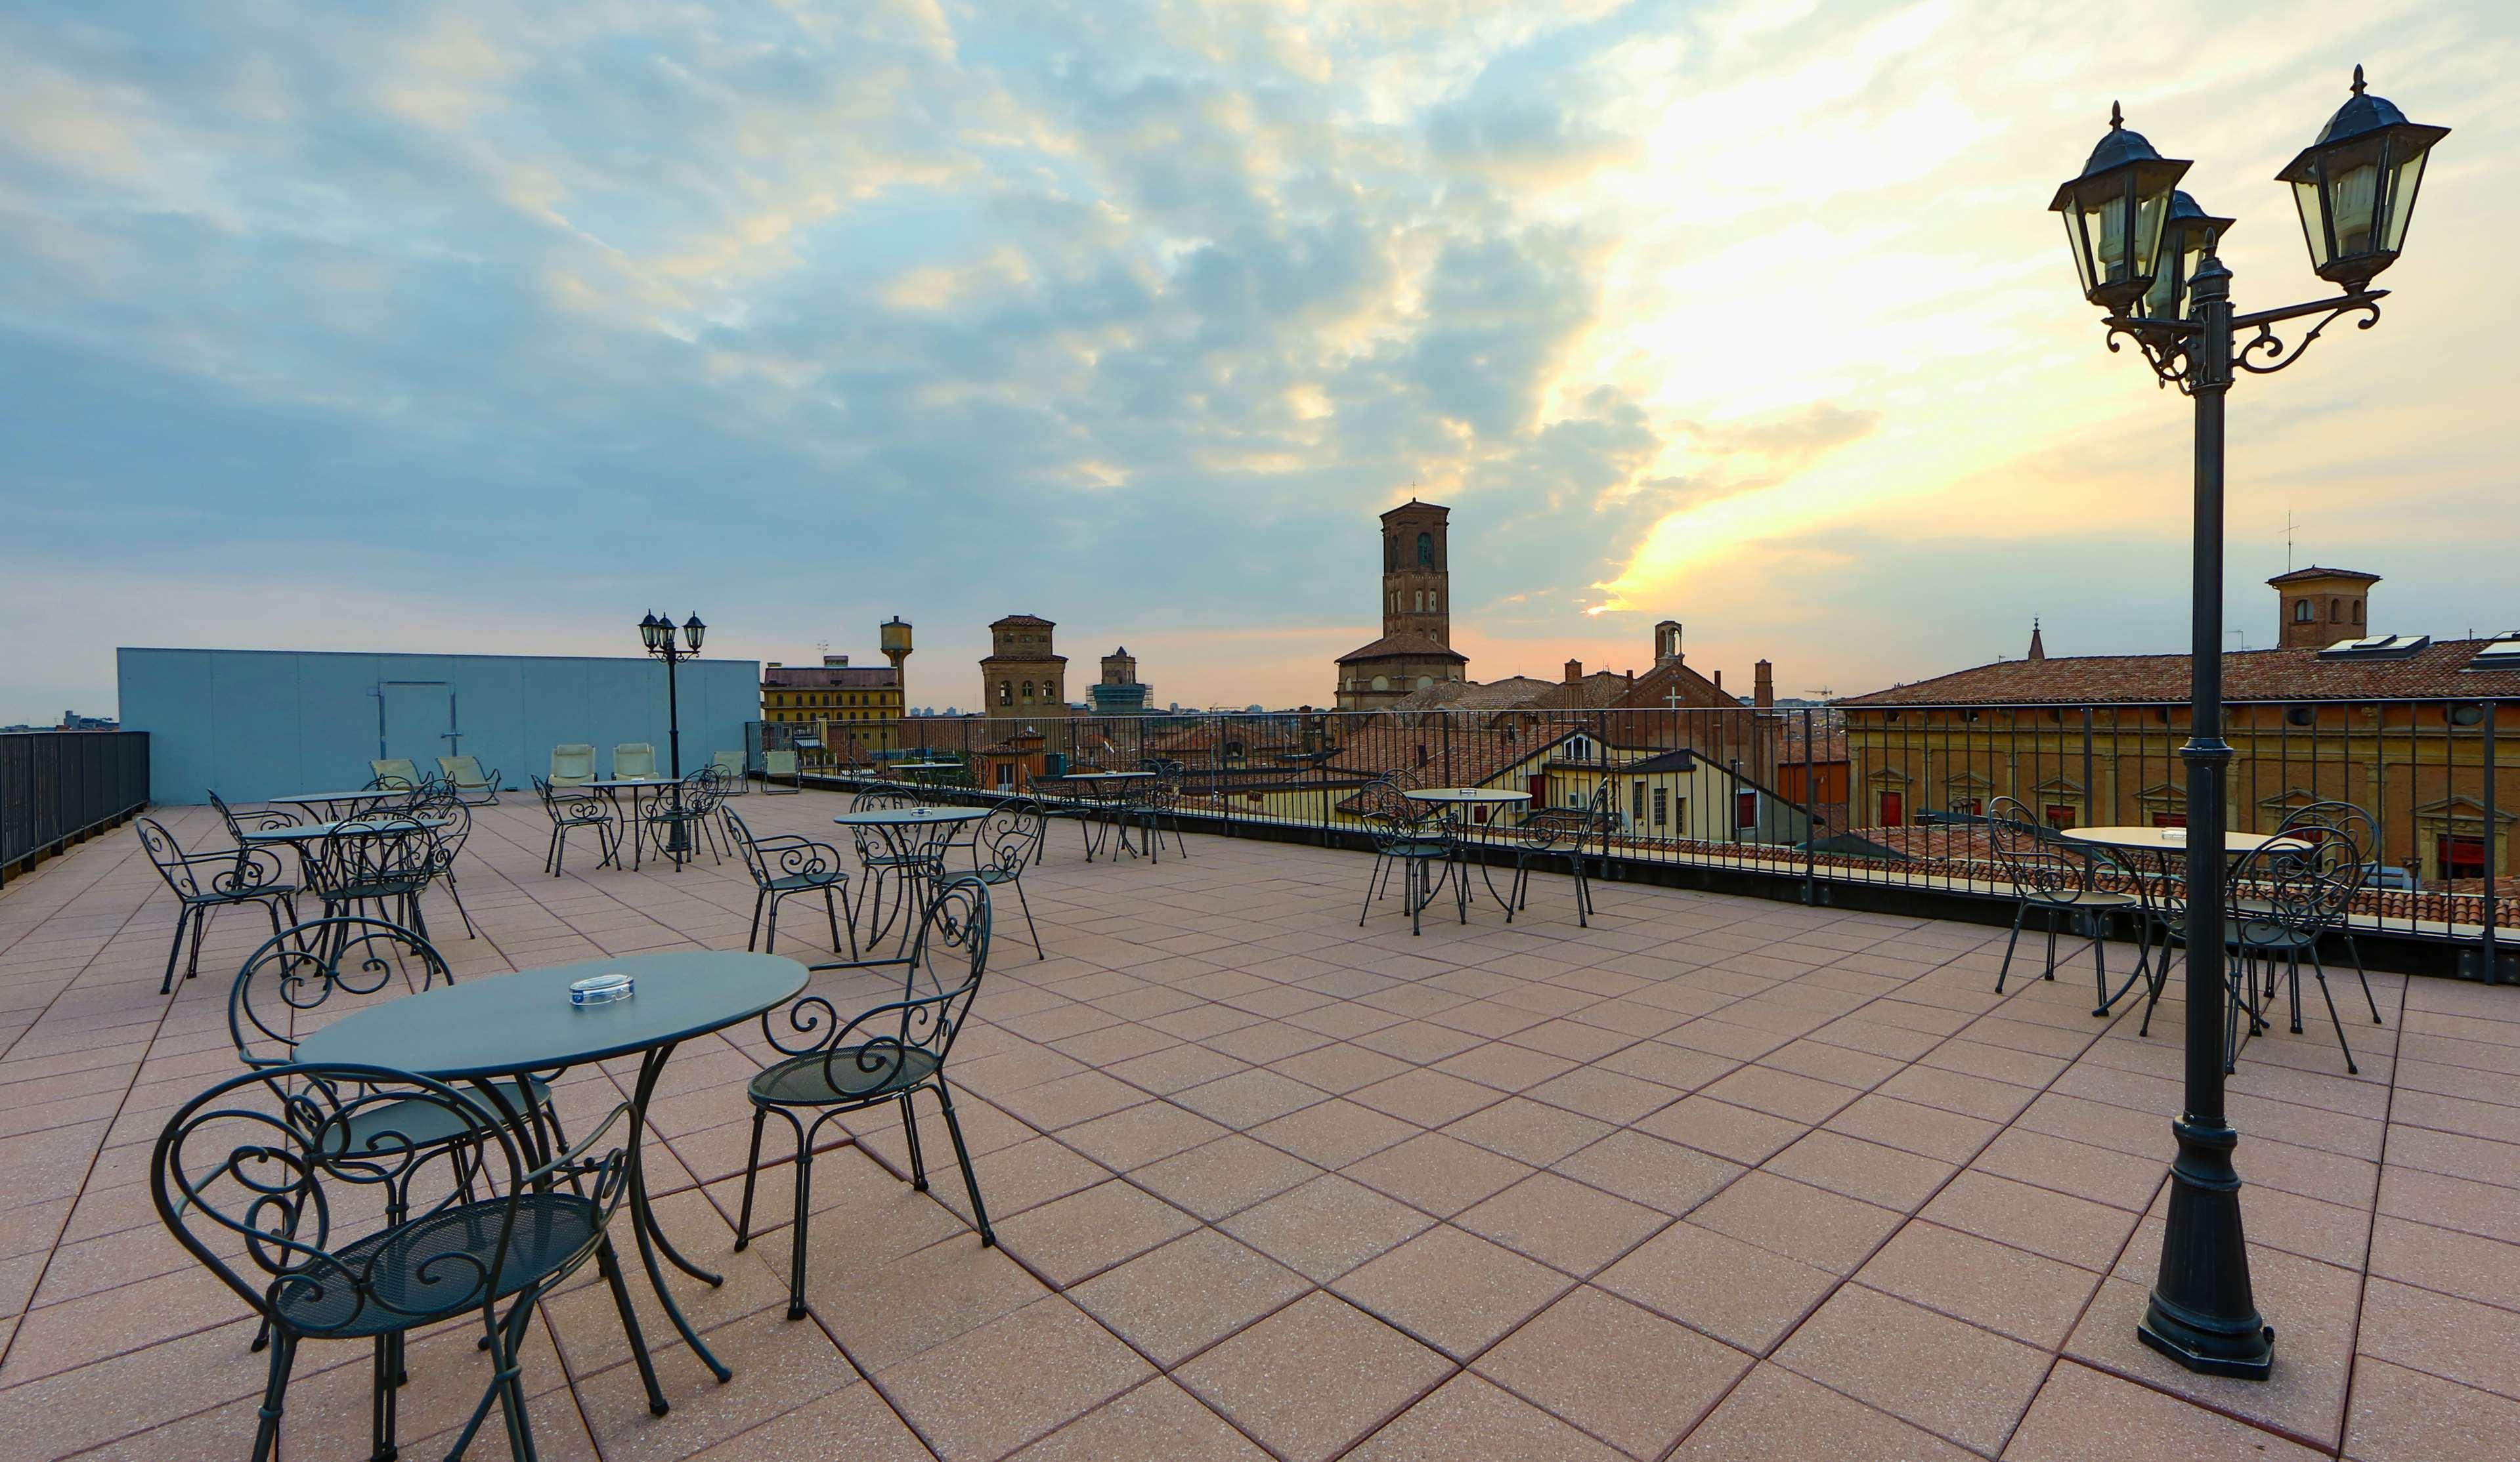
x: 1454, y: 801
x: 915, y: 839
x: 498, y: 1026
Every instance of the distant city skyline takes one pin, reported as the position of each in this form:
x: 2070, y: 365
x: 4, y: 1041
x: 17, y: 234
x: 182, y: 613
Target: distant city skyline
x: 483, y: 328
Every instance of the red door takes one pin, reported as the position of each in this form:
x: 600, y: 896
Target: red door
x: 1539, y: 790
x: 1894, y: 810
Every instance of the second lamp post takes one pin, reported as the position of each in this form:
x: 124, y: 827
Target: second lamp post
x: 2145, y: 253
x: 656, y: 632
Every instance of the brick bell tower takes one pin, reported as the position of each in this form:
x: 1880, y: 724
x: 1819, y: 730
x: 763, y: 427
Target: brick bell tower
x: 1417, y: 572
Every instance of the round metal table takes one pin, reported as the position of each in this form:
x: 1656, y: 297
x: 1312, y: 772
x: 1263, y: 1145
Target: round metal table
x: 1452, y: 800
x: 915, y: 839
x: 612, y: 788
x: 308, y: 832
x: 1104, y: 791
x: 497, y: 1026
x: 2154, y: 860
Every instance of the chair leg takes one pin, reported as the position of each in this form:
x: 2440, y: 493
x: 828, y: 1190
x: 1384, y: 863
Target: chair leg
x: 772, y: 947
x: 610, y: 1264
x: 2318, y: 971
x: 1370, y: 880
x: 909, y: 1130
x: 2364, y: 975
x: 796, y: 1247
x: 455, y: 890
x: 275, y: 1389
x: 1025, y: 905
x: 2018, y: 910
x: 2101, y: 965
x: 2050, y: 973
x: 753, y: 936
x: 751, y: 1171
x: 382, y: 1399
x: 509, y: 1348
x: 831, y: 916
x: 963, y: 1156
x: 175, y: 950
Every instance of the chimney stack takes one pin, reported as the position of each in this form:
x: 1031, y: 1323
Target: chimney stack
x: 1763, y: 684
x: 1574, y: 671
x: 1719, y: 680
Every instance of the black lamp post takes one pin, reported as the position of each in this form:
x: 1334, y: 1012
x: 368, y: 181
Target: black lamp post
x: 2140, y: 245
x: 656, y: 632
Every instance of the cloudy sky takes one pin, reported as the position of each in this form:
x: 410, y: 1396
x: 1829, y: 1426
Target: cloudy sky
x: 485, y: 326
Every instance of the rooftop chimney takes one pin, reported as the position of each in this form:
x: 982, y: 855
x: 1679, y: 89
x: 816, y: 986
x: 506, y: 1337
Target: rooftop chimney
x: 1574, y: 671
x: 1763, y: 684
x: 1719, y: 680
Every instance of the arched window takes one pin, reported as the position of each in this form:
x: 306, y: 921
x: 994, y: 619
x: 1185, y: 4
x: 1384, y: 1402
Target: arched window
x: 1425, y: 550
x: 2336, y: 611
x: 2357, y: 611
x: 1419, y: 599
x: 1425, y: 681
x: 1382, y: 682
x: 1006, y: 693
x: 1028, y: 690
x: 2301, y: 612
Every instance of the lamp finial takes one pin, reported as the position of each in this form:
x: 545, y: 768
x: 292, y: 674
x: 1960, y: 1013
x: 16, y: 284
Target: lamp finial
x: 2358, y: 78
x: 2117, y: 119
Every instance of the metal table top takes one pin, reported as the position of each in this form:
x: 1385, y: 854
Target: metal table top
x: 2171, y: 839
x: 308, y: 799
x: 499, y: 1025
x: 907, y: 816
x: 611, y: 783
x: 305, y: 831
x: 1497, y: 795
x: 1102, y: 776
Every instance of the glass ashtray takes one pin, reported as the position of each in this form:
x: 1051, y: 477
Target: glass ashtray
x: 602, y: 990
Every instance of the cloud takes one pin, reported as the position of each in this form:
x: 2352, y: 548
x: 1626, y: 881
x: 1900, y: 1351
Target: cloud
x: 1135, y: 312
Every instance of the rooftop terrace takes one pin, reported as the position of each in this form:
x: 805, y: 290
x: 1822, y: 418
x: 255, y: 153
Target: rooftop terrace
x: 1716, y: 1178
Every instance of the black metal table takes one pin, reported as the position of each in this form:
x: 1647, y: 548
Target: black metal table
x: 1109, y: 789
x: 1451, y: 801
x: 2155, y: 861
x: 915, y: 837
x: 612, y: 788
x: 504, y: 1026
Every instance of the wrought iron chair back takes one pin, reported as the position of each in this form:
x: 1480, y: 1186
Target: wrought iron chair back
x: 220, y: 876
x: 2033, y: 862
x: 2303, y: 881
x: 1396, y: 824
x: 370, y: 858
x: 1009, y: 838
x: 947, y: 959
x: 881, y: 799
x: 1553, y: 829
x: 302, y: 969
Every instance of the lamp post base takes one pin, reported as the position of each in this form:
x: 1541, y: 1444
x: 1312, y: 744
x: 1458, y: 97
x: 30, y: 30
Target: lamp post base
x: 2202, y: 1314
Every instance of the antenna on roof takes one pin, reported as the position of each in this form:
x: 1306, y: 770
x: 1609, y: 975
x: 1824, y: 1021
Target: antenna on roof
x: 2287, y: 539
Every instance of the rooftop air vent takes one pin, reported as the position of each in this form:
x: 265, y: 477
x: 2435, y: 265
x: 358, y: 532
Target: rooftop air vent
x: 2376, y: 647
x: 2504, y: 653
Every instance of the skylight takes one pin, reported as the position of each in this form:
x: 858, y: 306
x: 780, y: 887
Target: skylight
x: 2376, y: 647
x: 2502, y: 654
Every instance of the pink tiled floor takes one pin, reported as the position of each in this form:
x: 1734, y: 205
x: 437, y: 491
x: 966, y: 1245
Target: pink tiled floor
x: 1715, y: 1178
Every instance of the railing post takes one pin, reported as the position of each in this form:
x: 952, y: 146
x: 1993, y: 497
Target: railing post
x: 1811, y: 818
x: 2493, y: 953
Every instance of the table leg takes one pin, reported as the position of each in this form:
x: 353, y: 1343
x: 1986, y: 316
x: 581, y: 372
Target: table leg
x: 642, y: 1217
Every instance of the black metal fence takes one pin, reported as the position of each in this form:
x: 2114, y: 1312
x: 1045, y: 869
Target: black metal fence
x: 1838, y: 803
x: 56, y: 787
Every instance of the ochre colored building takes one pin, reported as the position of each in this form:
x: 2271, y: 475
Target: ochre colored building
x: 1021, y: 676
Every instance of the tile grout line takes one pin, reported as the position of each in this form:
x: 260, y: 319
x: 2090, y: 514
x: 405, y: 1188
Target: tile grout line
x: 2371, y: 1230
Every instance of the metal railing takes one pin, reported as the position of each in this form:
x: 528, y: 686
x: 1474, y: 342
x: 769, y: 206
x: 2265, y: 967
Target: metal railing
x: 56, y: 787
x: 1870, y: 805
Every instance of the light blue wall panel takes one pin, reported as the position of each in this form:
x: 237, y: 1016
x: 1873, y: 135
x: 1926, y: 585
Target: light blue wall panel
x: 254, y: 723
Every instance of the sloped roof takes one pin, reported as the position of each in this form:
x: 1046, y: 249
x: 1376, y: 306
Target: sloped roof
x: 831, y: 676
x: 1022, y: 621
x: 2254, y: 675
x: 1473, y: 695
x: 1407, y: 645
x: 2315, y: 572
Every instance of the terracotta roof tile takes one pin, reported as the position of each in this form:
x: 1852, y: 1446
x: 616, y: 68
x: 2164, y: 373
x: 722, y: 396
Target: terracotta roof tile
x: 1406, y: 643
x: 2255, y: 674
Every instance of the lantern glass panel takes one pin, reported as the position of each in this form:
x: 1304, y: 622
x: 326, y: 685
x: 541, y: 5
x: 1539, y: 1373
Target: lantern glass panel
x: 2314, y: 222
x: 2402, y: 198
x: 2150, y: 212
x: 2104, y: 224
x: 2075, y: 242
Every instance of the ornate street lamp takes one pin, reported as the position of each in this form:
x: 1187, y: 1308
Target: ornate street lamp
x: 656, y: 632
x: 2139, y: 243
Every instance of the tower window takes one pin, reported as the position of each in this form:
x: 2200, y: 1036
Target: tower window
x: 2301, y: 612
x: 1419, y: 600
x: 1425, y: 550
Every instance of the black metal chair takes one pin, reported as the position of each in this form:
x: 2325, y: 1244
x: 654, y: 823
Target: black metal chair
x: 830, y: 1067
x: 781, y: 868
x: 1065, y: 801
x: 2288, y: 893
x: 300, y: 970
x: 305, y: 1190
x: 1407, y: 835
x: 2059, y: 880
x: 444, y: 806
x: 206, y: 882
x: 379, y: 865
x: 1153, y: 806
x: 687, y: 816
x: 2317, y: 820
x: 1545, y: 836
x: 1008, y: 838
x: 570, y: 811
